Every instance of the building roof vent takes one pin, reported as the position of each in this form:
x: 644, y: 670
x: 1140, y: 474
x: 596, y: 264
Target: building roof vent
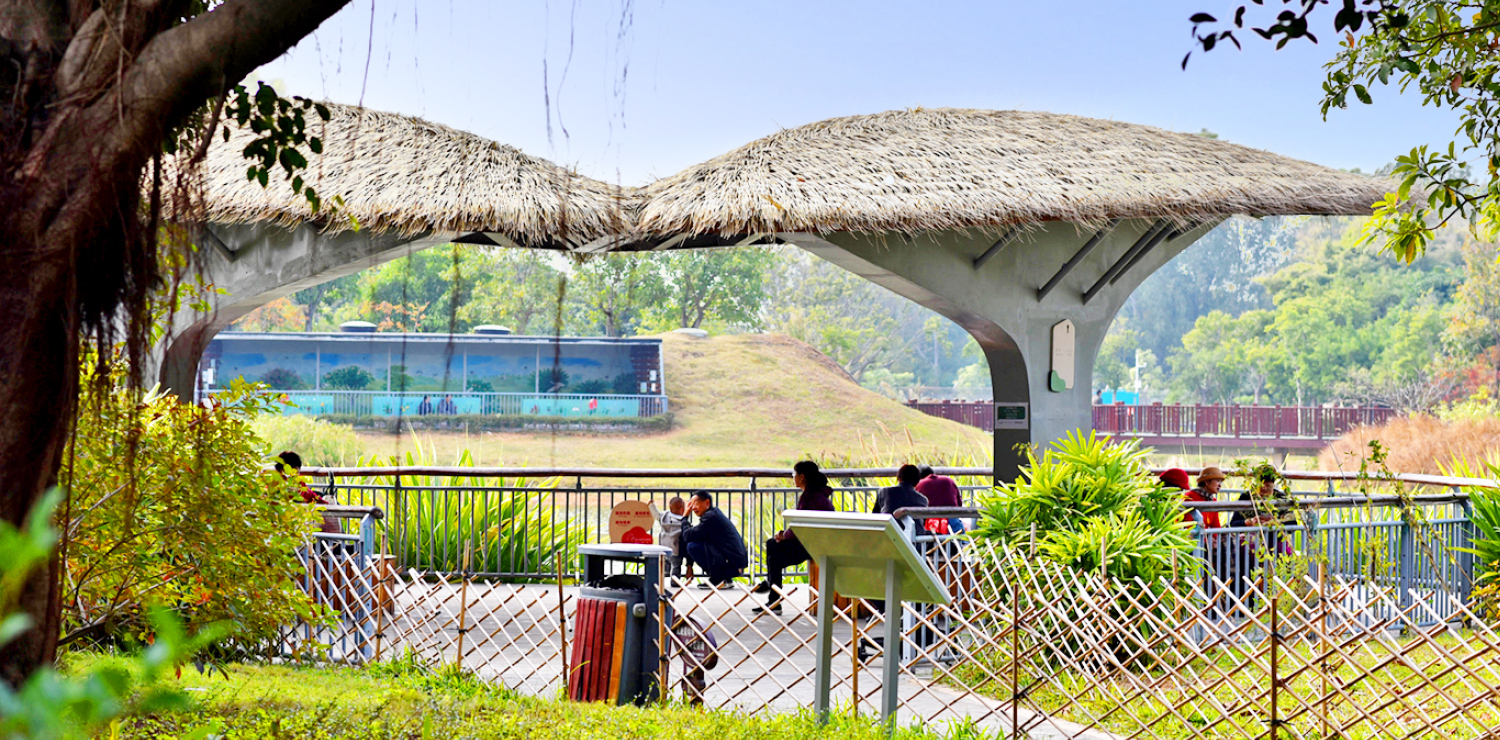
x: 491, y: 329
x: 357, y: 327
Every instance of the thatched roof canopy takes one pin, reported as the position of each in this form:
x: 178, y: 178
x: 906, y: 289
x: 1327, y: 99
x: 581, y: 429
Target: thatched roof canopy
x: 403, y: 174
x: 913, y: 170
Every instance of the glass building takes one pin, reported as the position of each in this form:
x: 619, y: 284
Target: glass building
x: 488, y: 371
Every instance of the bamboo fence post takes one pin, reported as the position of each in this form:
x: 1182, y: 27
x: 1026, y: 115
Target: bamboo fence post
x: 1275, y: 680
x: 381, y: 595
x: 1015, y: 664
x: 1176, y: 595
x: 463, y: 609
x: 562, y: 626
x: 854, y: 621
x: 662, y: 650
x: 1015, y: 647
x: 1323, y: 643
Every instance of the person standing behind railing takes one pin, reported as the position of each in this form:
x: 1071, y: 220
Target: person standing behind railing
x: 783, y: 550
x: 291, y: 461
x: 672, y: 521
x: 1216, y: 548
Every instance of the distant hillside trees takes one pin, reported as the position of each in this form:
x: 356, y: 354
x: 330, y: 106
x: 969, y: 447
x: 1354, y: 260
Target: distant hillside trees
x: 1345, y: 324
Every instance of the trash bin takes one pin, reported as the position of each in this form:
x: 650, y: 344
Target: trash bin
x: 615, y: 627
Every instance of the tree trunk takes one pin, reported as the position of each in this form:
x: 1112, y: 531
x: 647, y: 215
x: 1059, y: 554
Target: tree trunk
x: 102, y: 89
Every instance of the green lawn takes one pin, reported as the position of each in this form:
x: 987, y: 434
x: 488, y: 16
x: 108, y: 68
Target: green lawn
x: 1389, y: 685
x: 398, y: 701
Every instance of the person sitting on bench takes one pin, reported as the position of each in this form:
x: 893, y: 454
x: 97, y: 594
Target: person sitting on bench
x: 783, y: 550
x: 714, y: 543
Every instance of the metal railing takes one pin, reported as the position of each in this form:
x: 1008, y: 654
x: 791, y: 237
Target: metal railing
x: 580, y: 406
x: 517, y: 523
x: 1160, y: 420
x: 438, y: 516
x: 1379, y: 640
x: 1271, y: 422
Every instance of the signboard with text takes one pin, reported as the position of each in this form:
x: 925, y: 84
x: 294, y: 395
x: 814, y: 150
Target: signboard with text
x: 1012, y: 415
x: 631, y: 522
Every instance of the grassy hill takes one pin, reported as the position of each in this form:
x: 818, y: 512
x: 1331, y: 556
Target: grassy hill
x: 743, y: 400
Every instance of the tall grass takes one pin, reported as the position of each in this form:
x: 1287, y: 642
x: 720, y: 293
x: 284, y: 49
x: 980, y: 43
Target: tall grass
x: 1418, y: 444
x: 320, y: 443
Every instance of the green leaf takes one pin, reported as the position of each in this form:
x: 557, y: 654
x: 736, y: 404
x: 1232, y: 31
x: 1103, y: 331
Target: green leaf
x: 1363, y: 94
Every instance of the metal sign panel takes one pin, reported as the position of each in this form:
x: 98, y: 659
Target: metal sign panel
x: 861, y: 545
x: 1012, y: 415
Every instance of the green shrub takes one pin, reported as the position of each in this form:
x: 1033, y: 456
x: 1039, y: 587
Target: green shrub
x: 1086, y: 496
x: 320, y: 443
x: 1484, y: 514
x: 49, y: 704
x: 591, y: 388
x: 168, y: 506
x: 625, y: 384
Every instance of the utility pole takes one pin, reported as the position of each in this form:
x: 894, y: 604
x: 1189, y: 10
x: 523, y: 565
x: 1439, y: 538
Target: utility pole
x: 1135, y: 374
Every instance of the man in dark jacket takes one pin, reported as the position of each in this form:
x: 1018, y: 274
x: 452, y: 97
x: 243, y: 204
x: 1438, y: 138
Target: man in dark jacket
x: 713, y: 543
x: 902, y: 495
x: 888, y: 501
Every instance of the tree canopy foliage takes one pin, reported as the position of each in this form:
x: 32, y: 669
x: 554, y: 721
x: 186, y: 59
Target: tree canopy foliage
x: 1444, y: 50
x: 1331, y: 320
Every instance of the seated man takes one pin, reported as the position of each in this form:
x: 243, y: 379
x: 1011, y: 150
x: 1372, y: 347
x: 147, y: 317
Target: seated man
x: 901, y: 495
x: 713, y: 543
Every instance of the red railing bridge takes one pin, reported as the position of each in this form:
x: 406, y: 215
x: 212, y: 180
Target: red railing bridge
x: 1295, y: 427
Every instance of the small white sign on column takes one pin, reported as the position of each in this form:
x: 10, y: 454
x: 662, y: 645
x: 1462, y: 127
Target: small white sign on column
x: 1061, y: 377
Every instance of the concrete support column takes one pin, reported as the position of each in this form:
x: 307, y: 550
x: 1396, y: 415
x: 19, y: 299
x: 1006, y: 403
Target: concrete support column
x: 991, y: 284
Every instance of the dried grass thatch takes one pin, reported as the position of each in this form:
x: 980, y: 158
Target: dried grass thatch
x: 403, y: 174
x: 914, y: 170
x: 1418, y: 444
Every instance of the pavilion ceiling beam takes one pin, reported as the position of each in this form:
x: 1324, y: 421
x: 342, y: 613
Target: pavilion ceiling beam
x: 1004, y: 240
x: 670, y: 242
x: 1177, y: 232
x: 1156, y: 231
x: 1082, y: 253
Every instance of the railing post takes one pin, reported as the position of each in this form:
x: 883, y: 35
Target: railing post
x: 1408, y: 562
x: 1466, y: 559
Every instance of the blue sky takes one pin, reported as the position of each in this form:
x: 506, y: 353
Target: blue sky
x: 639, y: 90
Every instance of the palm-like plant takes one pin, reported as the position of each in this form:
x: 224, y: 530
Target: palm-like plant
x: 501, y: 525
x: 1087, y: 500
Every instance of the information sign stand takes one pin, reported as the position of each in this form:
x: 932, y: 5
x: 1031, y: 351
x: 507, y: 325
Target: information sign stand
x: 863, y: 556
